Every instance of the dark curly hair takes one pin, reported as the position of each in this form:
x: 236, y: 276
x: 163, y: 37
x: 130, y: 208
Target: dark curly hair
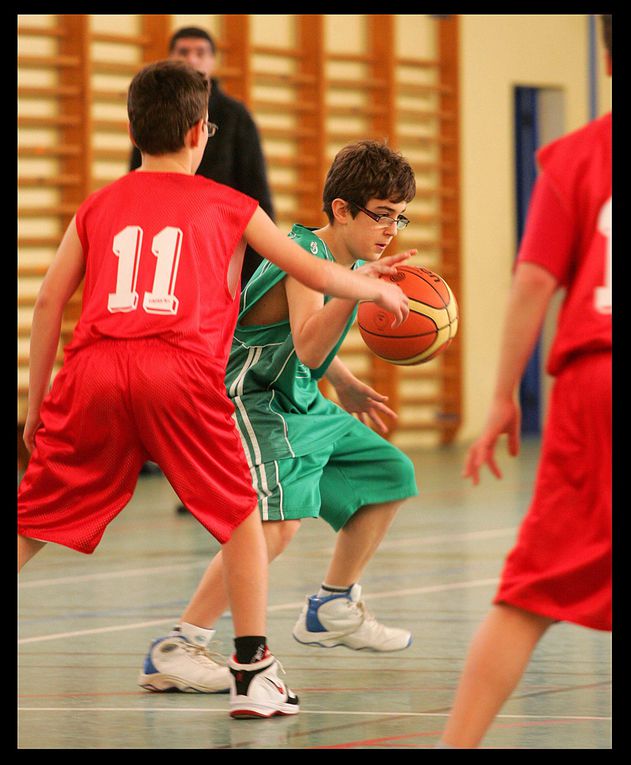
x: 367, y: 170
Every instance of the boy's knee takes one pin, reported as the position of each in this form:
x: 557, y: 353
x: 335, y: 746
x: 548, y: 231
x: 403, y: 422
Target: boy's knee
x: 278, y: 534
x: 402, y: 470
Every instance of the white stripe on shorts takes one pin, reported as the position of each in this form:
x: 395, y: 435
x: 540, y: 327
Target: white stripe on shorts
x: 236, y: 389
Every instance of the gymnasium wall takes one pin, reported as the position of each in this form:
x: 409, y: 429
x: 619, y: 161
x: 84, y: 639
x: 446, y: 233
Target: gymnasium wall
x: 495, y: 53
x: 314, y: 84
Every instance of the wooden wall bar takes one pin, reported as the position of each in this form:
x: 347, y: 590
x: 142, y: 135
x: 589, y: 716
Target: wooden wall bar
x: 451, y: 388
x: 310, y: 94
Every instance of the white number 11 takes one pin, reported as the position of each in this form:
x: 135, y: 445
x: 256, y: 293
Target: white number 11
x: 166, y: 247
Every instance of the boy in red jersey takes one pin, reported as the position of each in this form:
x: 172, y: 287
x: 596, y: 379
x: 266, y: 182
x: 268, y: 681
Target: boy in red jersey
x: 560, y: 567
x: 143, y: 377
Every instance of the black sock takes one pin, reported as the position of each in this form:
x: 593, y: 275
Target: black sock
x: 250, y: 649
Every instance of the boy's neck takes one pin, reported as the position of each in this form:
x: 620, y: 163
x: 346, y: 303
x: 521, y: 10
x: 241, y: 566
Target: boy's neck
x: 338, y: 248
x: 180, y: 162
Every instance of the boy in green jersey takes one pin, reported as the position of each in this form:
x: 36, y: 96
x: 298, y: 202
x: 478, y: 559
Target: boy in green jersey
x: 309, y: 457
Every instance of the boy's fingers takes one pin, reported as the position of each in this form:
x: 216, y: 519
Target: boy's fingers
x: 401, y: 315
x: 398, y: 257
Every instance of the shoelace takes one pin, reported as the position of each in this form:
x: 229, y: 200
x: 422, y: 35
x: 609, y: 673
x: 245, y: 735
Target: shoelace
x: 367, y: 617
x: 360, y: 606
x: 204, y: 655
x: 216, y: 655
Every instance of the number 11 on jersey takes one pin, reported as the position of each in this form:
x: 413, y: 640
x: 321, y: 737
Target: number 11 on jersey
x: 166, y: 247
x: 127, y: 246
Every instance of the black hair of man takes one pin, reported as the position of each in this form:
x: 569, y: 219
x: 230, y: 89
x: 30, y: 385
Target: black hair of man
x: 188, y: 32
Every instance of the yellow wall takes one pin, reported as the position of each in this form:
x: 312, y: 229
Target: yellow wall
x: 499, y: 52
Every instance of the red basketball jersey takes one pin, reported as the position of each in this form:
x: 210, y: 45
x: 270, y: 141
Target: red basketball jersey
x: 157, y: 248
x: 569, y: 233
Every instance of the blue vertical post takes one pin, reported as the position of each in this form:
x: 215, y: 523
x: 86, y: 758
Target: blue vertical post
x: 526, y: 144
x: 593, y: 69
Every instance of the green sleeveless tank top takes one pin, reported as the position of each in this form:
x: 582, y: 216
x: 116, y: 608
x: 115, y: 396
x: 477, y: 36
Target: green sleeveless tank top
x: 279, y: 409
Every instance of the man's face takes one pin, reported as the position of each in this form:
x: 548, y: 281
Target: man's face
x: 197, y: 53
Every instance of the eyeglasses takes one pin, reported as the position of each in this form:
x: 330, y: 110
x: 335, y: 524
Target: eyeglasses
x: 212, y: 128
x: 384, y: 220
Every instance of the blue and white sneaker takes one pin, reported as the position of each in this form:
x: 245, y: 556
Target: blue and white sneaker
x: 174, y: 663
x: 342, y: 619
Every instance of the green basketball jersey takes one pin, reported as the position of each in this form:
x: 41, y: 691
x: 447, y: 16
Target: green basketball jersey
x: 279, y: 409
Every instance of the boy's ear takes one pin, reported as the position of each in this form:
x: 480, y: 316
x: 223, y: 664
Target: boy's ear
x: 341, y: 210
x: 131, y: 137
x: 195, y: 134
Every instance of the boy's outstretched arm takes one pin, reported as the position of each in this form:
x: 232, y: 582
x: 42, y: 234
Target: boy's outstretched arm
x: 530, y: 294
x: 61, y: 281
x: 320, y: 275
x: 315, y: 327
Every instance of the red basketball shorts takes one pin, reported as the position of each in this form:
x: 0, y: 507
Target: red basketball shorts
x: 113, y: 406
x: 561, y: 565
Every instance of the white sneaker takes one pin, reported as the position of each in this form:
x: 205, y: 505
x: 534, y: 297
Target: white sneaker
x: 342, y: 619
x: 256, y: 690
x: 175, y: 664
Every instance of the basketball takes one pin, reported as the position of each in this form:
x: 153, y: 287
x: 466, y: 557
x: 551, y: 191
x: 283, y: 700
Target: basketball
x: 429, y: 328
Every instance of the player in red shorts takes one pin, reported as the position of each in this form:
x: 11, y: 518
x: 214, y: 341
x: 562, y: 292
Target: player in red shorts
x: 560, y: 567
x: 143, y: 377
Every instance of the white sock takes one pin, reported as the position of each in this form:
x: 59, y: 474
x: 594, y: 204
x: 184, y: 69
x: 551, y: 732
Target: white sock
x: 331, y: 589
x: 195, y: 634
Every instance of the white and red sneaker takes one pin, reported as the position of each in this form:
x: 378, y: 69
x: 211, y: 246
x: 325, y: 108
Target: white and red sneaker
x: 256, y: 690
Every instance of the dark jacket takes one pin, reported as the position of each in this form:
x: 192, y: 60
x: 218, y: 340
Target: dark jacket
x: 233, y: 156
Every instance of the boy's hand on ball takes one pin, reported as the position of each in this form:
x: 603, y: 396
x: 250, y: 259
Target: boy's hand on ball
x: 388, y: 264
x: 388, y: 267
x: 385, y: 266
x: 392, y: 299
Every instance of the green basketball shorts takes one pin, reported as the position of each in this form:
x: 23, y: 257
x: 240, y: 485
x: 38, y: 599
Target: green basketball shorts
x: 360, y: 468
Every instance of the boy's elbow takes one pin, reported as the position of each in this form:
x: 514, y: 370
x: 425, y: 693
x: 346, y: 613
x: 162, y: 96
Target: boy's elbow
x: 42, y: 302
x: 46, y: 303
x: 320, y: 277
x: 308, y: 357
x: 533, y: 277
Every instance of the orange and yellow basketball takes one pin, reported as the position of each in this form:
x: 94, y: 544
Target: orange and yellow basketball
x: 429, y: 328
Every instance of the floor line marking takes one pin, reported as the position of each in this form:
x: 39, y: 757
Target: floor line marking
x: 202, y: 710
x: 388, y: 544
x: 96, y: 631
x: 279, y: 607
x: 385, y: 545
x: 111, y: 574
